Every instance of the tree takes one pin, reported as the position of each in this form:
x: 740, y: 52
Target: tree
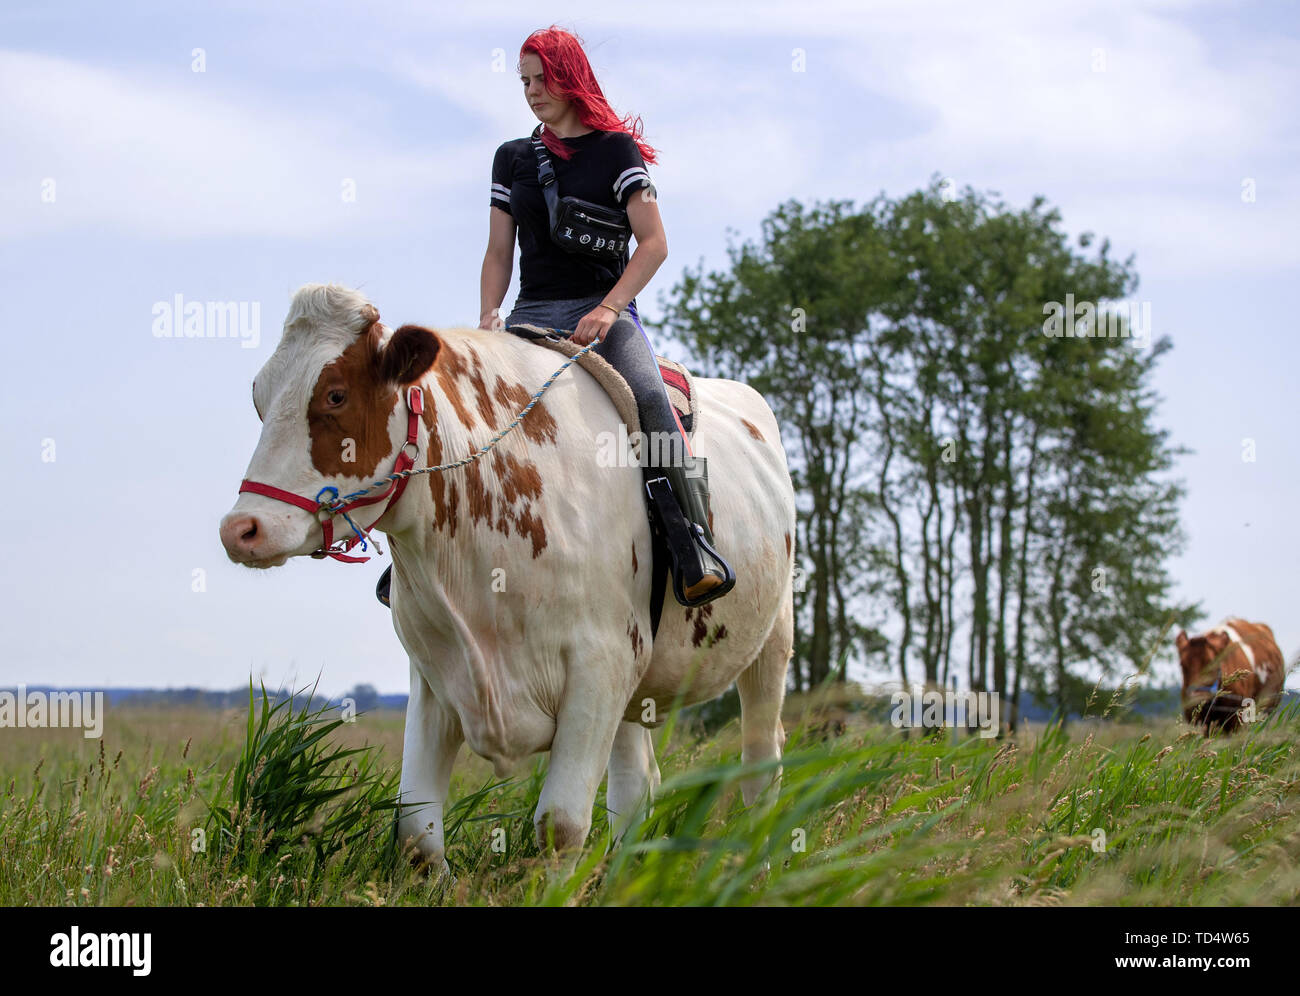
x: 959, y: 470
x: 787, y: 319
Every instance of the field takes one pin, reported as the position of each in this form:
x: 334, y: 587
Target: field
x: 201, y: 807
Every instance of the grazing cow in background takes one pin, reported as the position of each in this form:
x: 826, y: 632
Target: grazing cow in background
x: 1223, y: 667
x: 521, y: 588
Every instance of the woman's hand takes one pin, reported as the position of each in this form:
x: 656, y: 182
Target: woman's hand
x: 593, y: 325
x: 492, y: 321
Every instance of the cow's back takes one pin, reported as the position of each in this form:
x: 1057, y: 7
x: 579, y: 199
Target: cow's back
x: 1253, y: 668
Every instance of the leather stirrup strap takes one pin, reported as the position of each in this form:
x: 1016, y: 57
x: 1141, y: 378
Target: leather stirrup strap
x: 658, y: 580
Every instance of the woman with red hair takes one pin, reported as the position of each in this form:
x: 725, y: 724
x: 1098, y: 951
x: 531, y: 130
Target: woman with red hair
x: 600, y: 158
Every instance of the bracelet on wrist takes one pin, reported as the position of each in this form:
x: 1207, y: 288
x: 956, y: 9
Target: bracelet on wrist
x: 610, y: 307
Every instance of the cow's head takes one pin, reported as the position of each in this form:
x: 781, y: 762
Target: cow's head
x: 1201, y: 658
x: 329, y: 400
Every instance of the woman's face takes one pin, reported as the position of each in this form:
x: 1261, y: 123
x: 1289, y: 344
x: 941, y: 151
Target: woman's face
x: 546, y: 106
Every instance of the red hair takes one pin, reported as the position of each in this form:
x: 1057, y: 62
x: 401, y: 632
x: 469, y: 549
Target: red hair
x: 568, y: 76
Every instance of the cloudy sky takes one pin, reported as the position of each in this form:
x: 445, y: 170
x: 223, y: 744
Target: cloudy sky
x: 129, y: 177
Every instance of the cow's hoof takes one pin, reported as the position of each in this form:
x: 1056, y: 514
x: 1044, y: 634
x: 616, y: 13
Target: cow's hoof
x: 556, y: 833
x: 433, y: 867
x: 430, y: 863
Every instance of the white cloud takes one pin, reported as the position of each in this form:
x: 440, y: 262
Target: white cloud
x: 1156, y: 144
x: 167, y: 160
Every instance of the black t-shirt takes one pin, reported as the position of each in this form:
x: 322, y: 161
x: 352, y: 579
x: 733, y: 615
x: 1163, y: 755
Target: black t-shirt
x: 607, y: 169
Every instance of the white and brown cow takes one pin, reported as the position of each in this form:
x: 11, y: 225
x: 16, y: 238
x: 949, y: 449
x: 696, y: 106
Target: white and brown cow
x: 521, y: 588
x: 1224, y: 667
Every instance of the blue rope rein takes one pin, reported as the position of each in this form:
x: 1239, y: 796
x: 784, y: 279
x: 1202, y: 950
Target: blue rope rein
x: 361, y: 535
x: 336, y: 504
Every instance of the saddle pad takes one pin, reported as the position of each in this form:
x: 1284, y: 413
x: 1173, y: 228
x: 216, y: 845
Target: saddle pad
x: 681, y: 391
x: 679, y: 381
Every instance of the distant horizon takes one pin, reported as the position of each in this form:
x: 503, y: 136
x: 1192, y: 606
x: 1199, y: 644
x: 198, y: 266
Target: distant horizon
x: 878, y: 688
x: 155, y: 152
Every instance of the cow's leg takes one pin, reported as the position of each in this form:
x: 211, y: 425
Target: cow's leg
x: 429, y: 747
x: 633, y: 776
x: 762, y: 690
x: 588, y: 719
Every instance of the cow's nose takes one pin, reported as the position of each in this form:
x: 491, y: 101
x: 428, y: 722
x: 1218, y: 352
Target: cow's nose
x: 242, y: 536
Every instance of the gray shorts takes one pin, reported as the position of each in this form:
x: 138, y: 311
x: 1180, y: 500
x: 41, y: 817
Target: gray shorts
x: 625, y: 346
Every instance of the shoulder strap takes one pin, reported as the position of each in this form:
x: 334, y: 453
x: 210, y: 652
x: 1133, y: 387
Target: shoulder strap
x: 546, y: 175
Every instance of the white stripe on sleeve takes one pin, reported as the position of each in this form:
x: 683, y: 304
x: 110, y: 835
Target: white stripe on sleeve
x: 634, y: 174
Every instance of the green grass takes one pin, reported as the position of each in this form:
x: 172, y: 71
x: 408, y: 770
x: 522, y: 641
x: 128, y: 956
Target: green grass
x: 296, y: 800
x: 290, y: 806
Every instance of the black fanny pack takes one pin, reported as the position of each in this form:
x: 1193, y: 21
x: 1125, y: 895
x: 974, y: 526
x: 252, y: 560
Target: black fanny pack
x: 579, y: 226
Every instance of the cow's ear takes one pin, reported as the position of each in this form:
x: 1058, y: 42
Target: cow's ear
x: 1180, y: 641
x: 408, y: 354
x: 1218, y: 642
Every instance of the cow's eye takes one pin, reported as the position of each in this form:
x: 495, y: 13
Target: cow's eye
x: 336, y: 397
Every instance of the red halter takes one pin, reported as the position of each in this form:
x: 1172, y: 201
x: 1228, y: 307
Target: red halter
x: 341, y: 506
